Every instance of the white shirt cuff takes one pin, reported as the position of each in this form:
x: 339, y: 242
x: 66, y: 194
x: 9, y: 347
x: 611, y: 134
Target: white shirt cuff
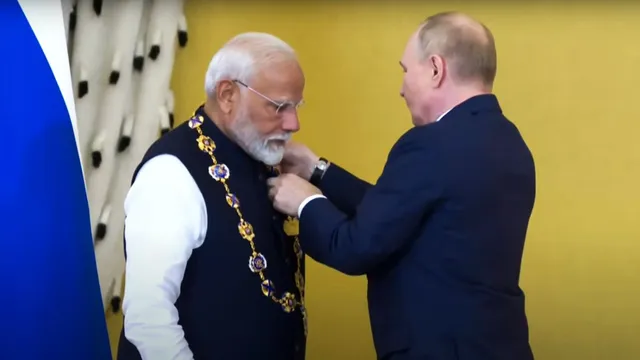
x: 306, y: 201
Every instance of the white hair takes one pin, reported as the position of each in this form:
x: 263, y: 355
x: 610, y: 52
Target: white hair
x: 241, y: 56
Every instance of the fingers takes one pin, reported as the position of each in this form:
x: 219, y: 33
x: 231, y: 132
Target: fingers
x: 272, y: 193
x: 272, y: 184
x: 277, y: 180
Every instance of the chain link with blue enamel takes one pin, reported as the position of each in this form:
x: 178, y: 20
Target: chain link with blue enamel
x: 257, y: 261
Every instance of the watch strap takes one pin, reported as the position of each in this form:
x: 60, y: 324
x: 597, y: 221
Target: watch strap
x: 318, y: 171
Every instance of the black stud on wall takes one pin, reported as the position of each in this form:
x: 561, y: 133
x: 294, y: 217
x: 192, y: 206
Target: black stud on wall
x: 116, y: 303
x: 96, y: 158
x: 83, y: 83
x: 138, y: 56
x: 114, y: 77
x: 164, y: 119
x: 170, y: 106
x: 138, y: 63
x: 96, y: 149
x: 125, y: 133
x: 103, y: 221
x: 183, y: 35
x: 183, y: 38
x: 73, y: 18
x: 123, y: 143
x: 154, y: 51
x: 97, y: 7
x: 83, y: 88
x: 101, y: 231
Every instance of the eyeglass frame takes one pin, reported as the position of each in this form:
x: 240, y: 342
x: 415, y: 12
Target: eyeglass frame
x: 278, y: 105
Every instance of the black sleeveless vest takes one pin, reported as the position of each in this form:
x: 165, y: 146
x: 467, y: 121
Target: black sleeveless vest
x: 222, y: 306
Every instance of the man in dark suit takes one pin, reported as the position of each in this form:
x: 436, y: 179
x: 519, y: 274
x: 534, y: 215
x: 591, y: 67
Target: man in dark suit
x: 441, y: 234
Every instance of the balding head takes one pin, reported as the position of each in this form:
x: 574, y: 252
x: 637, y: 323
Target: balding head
x: 466, y: 44
x: 449, y: 59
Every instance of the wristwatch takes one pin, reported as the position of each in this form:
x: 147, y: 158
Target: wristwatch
x: 318, y: 171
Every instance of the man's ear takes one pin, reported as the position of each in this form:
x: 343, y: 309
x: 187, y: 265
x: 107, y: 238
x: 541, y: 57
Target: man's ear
x: 436, y: 65
x: 226, y: 95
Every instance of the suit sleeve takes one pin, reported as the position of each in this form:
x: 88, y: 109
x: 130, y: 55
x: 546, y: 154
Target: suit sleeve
x: 343, y: 189
x: 386, y: 220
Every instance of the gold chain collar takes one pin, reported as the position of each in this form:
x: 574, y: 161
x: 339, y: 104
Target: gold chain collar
x: 257, y: 262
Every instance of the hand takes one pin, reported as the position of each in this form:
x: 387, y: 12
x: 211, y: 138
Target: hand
x: 298, y: 159
x: 288, y: 191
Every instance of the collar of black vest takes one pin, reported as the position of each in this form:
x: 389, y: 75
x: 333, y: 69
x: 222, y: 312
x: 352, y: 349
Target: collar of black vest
x: 226, y: 145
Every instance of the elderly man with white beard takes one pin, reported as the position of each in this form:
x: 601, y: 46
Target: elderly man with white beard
x: 200, y: 227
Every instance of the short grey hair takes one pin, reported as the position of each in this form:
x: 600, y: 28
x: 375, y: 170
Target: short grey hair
x: 465, y: 42
x: 242, y: 56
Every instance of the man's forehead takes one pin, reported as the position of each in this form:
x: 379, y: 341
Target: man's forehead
x: 278, y: 73
x: 279, y: 89
x: 411, y: 47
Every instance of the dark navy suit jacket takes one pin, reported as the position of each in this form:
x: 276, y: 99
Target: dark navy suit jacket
x: 440, y: 237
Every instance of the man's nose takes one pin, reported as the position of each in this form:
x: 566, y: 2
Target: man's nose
x: 291, y: 122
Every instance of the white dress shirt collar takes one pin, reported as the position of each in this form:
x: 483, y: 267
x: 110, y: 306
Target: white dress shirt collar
x: 443, y: 114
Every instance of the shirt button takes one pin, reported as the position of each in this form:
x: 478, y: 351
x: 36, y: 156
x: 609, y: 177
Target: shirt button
x: 297, y: 347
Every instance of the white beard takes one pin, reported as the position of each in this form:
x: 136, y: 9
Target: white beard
x: 261, y: 148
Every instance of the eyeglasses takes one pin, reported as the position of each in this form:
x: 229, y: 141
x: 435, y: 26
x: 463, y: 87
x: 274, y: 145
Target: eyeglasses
x: 281, y: 107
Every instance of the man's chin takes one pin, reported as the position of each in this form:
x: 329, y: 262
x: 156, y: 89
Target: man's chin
x: 273, y: 158
x: 271, y: 161
x: 276, y: 147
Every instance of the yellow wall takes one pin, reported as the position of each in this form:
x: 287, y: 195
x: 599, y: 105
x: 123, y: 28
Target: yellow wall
x: 568, y: 77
